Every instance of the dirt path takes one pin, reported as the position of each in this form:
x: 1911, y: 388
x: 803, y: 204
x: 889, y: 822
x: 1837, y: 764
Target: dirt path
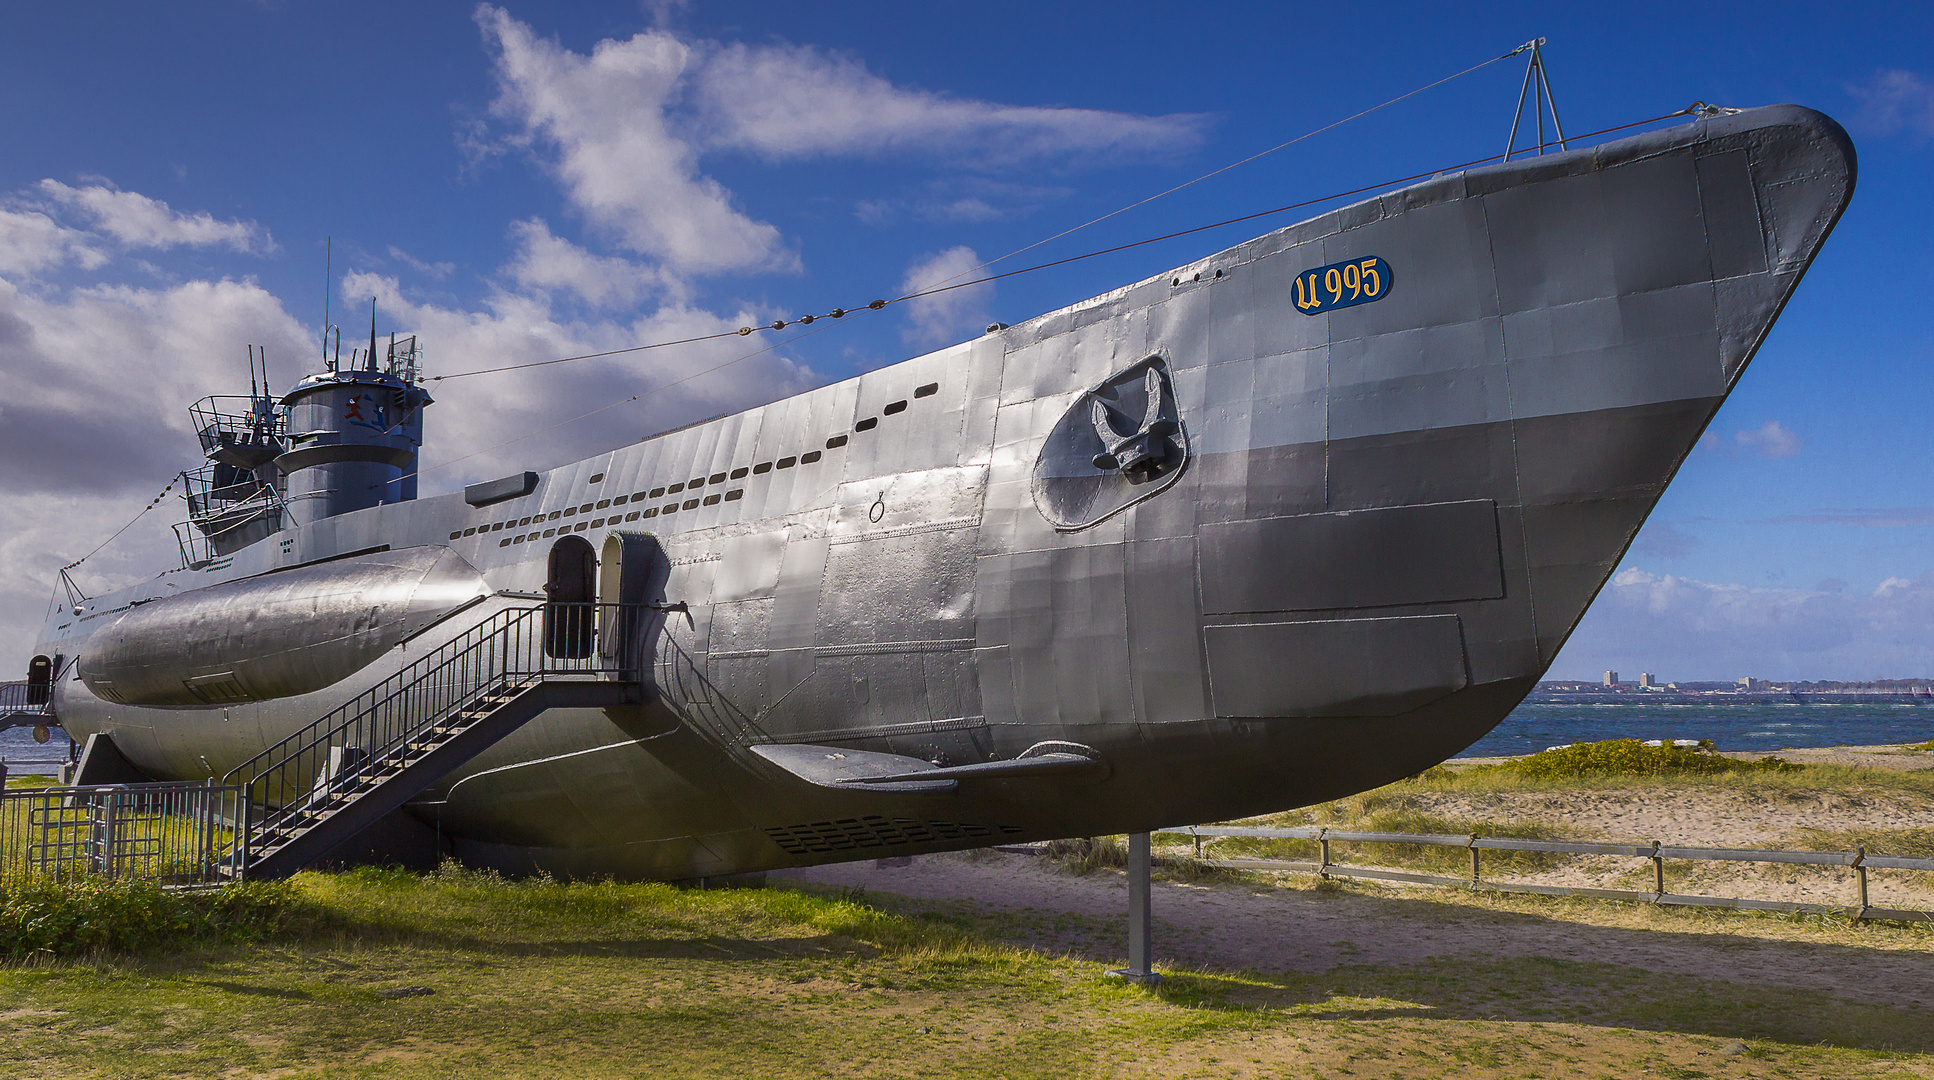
x: 1234, y: 927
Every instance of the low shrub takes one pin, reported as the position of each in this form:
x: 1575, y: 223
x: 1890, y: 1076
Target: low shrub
x: 1630, y: 757
x: 1086, y: 854
x: 103, y: 914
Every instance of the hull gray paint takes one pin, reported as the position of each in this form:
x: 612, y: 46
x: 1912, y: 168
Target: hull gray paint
x: 1389, y: 519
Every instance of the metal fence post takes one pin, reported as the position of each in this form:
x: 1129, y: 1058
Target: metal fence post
x: 1860, y: 873
x: 1323, y: 855
x: 1658, y: 871
x: 1477, y: 879
x: 1141, y: 940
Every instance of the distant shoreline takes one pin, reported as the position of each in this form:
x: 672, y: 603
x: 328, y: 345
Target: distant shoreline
x: 1636, y: 696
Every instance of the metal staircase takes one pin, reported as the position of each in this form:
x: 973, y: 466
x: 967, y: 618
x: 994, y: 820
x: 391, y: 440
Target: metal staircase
x: 329, y: 781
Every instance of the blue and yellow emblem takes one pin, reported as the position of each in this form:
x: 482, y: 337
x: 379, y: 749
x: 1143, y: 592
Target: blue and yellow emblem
x: 1341, y: 285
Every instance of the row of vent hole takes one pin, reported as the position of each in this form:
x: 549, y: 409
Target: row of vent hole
x: 673, y: 507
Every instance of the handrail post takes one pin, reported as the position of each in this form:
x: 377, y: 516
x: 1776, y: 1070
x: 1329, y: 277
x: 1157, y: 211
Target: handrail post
x: 1323, y: 855
x: 1658, y: 872
x: 1477, y: 879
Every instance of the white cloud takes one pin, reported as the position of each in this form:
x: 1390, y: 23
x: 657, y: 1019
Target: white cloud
x: 139, y: 221
x: 1771, y: 439
x: 603, y: 116
x: 1705, y: 630
x: 94, y: 389
x: 623, y: 129
x: 476, y: 423
x: 549, y: 262
x: 952, y: 315
x: 786, y: 101
x: 32, y: 242
x: 1894, y: 101
x: 438, y: 270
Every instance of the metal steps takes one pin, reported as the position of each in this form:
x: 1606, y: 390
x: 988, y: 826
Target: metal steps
x: 324, y: 784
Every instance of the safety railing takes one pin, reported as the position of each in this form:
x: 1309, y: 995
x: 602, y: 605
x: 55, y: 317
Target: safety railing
x: 1859, y: 861
x: 23, y: 698
x: 478, y: 669
x: 173, y: 834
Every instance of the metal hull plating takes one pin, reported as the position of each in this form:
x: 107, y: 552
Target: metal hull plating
x: 1375, y: 528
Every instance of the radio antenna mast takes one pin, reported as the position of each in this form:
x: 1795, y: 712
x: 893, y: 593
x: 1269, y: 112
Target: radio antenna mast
x: 1537, y: 86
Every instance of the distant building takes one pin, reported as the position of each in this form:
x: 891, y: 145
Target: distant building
x: 1645, y: 681
x: 1611, y: 678
x: 1750, y: 684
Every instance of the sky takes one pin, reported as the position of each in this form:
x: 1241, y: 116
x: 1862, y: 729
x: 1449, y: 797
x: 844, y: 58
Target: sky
x: 516, y: 182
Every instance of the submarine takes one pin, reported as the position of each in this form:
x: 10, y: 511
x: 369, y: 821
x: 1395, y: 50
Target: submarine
x: 1298, y: 519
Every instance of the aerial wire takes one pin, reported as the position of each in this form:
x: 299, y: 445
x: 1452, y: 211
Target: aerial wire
x: 1697, y: 108
x: 1238, y: 164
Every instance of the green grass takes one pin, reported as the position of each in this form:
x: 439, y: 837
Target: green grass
x: 49, y: 918
x: 553, y: 980
x: 1631, y: 757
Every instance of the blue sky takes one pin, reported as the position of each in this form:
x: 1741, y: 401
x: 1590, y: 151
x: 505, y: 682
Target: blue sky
x: 523, y: 181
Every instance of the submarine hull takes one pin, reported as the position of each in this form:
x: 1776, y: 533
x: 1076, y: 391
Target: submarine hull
x: 1250, y: 539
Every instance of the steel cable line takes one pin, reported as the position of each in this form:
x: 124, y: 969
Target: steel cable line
x: 1238, y: 164
x: 876, y: 305
x: 1695, y: 109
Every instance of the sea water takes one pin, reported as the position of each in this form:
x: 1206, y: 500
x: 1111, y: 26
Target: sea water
x: 1744, y: 724
x: 23, y: 755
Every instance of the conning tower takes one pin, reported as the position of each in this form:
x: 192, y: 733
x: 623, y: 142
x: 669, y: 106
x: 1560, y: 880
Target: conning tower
x: 353, y: 434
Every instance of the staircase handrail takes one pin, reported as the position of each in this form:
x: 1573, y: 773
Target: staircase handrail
x: 505, y: 647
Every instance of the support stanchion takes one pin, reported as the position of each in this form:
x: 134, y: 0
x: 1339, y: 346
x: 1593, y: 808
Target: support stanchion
x: 1141, y: 942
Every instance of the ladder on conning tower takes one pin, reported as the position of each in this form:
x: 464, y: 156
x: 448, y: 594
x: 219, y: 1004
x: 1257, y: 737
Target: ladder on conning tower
x: 334, y: 778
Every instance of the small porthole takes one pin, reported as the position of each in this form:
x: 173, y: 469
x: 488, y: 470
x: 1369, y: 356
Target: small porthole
x: 867, y: 424
x: 928, y: 390
x: 652, y: 513
x: 458, y: 535
x: 598, y: 524
x: 739, y: 474
x: 671, y: 508
x: 716, y: 478
x: 595, y: 478
x: 602, y: 503
x: 735, y: 494
x: 523, y: 523
x: 581, y: 526
x: 505, y: 542
x: 696, y: 481
x: 638, y: 496
x: 675, y: 489
x: 689, y: 504
x: 469, y: 532
x: 550, y: 532
x: 895, y: 407
x: 762, y: 468
x: 518, y: 539
x: 532, y: 536
x: 585, y: 509
x: 713, y: 500
x: 555, y: 514
x: 633, y: 516
x: 809, y: 457
x: 570, y: 511
x: 787, y: 463
x: 835, y: 442
x: 621, y: 500
x: 656, y: 492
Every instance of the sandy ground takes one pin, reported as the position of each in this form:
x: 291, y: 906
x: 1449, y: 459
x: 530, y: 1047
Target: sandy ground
x: 1240, y: 927
x: 1296, y: 927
